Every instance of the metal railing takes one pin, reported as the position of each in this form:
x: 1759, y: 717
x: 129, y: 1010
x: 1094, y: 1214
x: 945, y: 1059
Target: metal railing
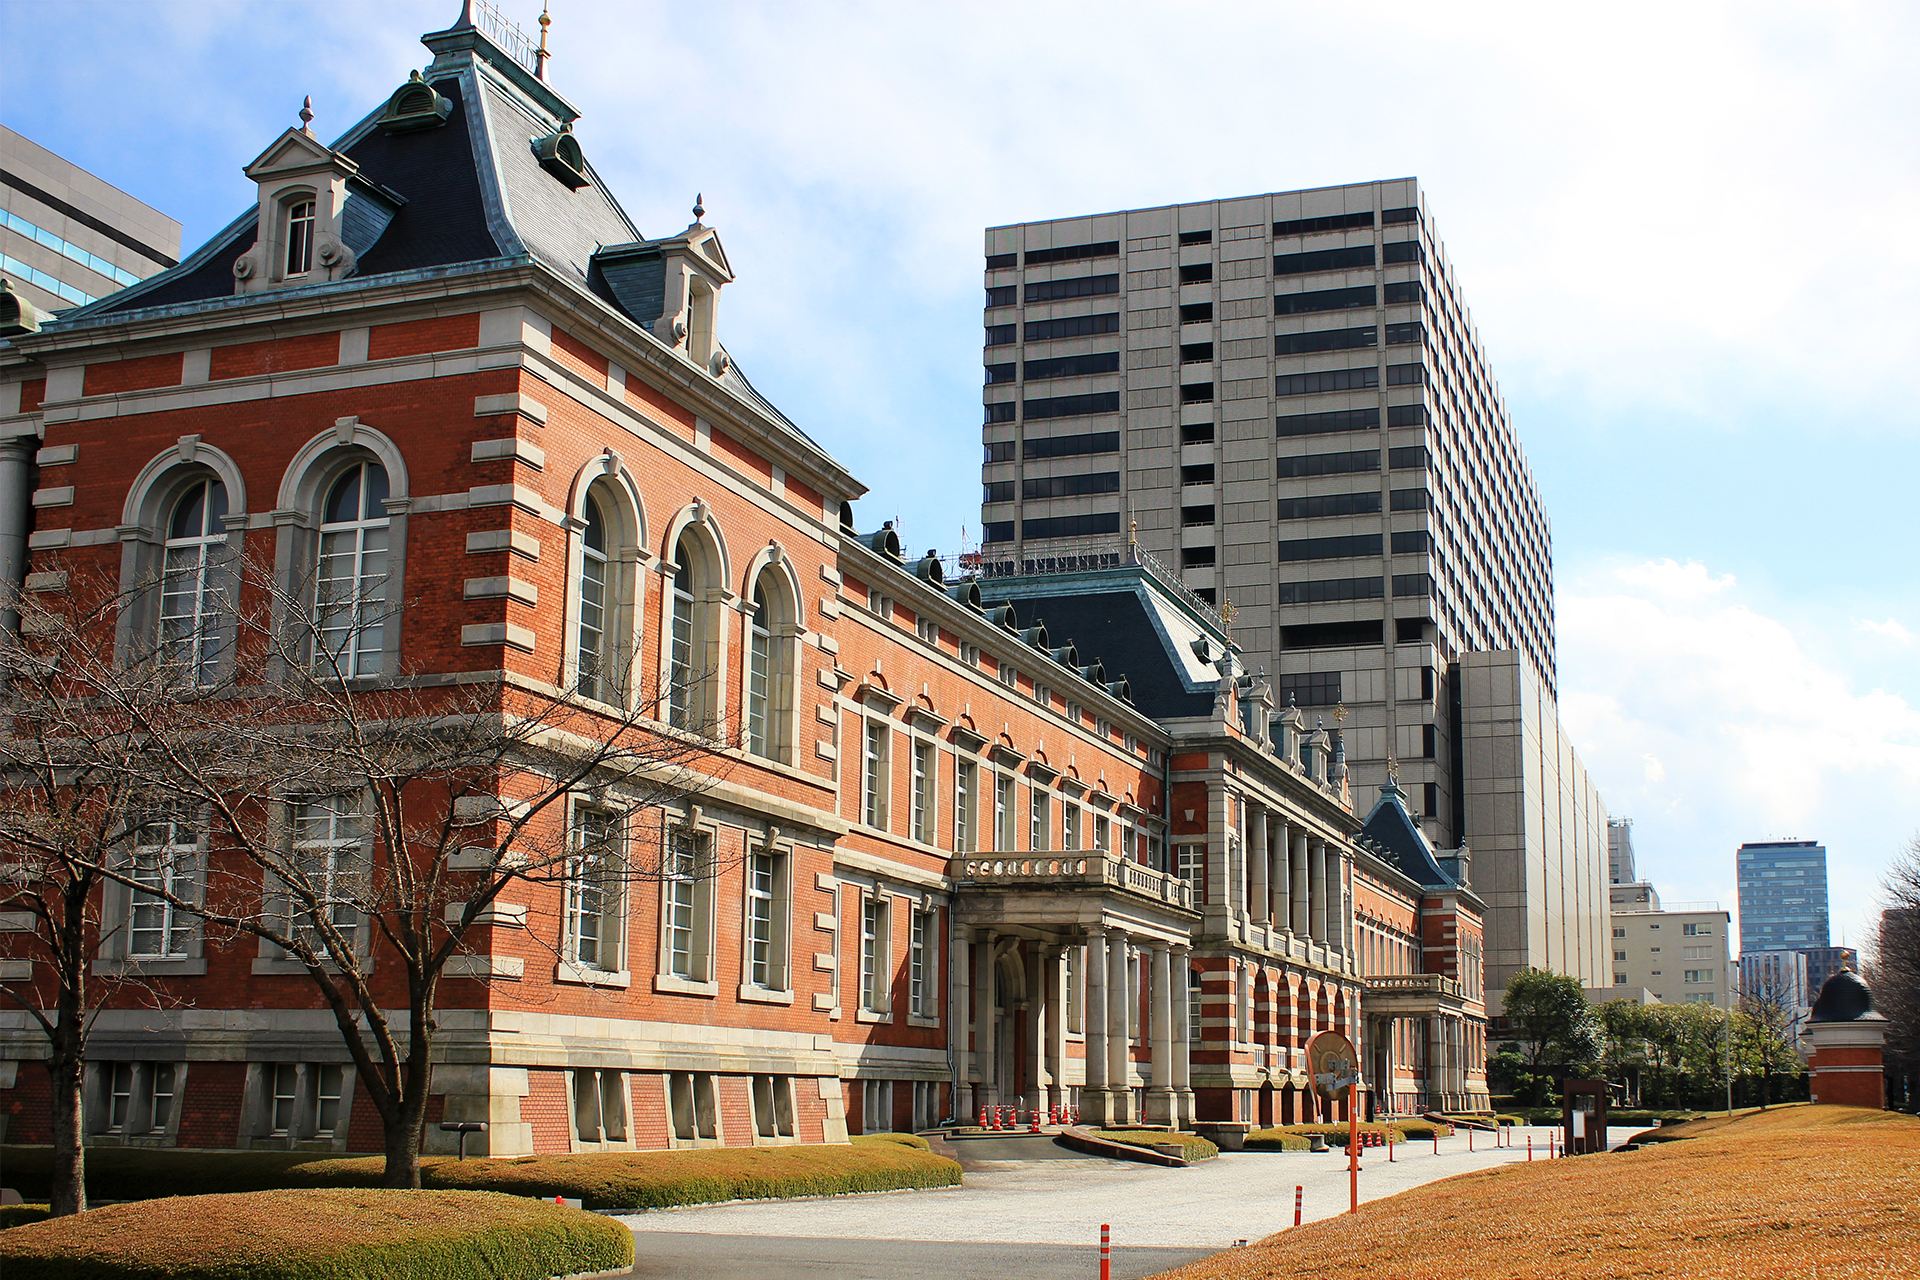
x: 1077, y: 555
x: 500, y: 29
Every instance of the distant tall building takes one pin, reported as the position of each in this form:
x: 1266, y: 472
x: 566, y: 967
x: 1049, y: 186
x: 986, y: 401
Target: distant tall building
x: 1824, y: 962
x: 1783, y: 895
x: 66, y: 237
x: 1283, y: 398
x: 1620, y: 850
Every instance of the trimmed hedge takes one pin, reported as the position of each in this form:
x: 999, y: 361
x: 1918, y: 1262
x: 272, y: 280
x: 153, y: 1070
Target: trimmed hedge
x: 19, y: 1215
x: 319, y: 1235
x: 1192, y: 1145
x: 1277, y: 1140
x: 1336, y: 1134
x: 599, y: 1180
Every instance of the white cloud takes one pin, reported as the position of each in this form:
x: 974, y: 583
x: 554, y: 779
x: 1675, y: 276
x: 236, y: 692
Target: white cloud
x: 1712, y: 723
x: 1890, y: 629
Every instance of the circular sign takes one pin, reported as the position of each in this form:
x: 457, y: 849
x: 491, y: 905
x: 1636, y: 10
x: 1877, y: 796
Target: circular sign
x: 1332, y: 1064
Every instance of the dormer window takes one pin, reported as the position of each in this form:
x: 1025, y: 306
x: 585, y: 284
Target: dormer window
x: 300, y: 217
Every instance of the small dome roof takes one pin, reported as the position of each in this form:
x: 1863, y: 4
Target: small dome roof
x: 1844, y: 998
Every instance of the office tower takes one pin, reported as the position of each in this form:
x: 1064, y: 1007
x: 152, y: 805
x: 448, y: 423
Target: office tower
x: 1620, y: 850
x: 1283, y: 398
x: 1783, y: 895
x: 1824, y: 962
x: 66, y: 237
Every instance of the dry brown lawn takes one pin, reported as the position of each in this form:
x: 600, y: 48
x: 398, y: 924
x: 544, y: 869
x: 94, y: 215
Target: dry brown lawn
x: 1813, y: 1192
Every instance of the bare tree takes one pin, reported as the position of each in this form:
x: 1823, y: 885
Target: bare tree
x: 73, y: 805
x: 1896, y: 970
x: 1770, y: 1025
x: 360, y: 827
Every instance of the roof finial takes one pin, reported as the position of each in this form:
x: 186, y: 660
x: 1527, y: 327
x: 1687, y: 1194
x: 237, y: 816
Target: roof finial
x: 541, y: 55
x: 306, y: 116
x: 699, y: 206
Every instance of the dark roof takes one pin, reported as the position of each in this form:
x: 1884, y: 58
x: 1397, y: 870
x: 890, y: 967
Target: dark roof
x: 1117, y: 628
x: 1394, y: 834
x: 470, y: 190
x: 1844, y: 998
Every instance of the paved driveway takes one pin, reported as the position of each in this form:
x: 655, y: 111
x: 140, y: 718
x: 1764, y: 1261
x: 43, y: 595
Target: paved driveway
x: 1041, y: 1218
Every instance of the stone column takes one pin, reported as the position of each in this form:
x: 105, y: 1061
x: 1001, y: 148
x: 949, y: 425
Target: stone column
x: 1160, y: 1095
x: 960, y: 1024
x: 1034, y: 1097
x: 1281, y: 877
x: 1056, y: 1027
x: 1317, y: 890
x: 1181, y: 995
x: 1119, y: 1016
x: 1259, y: 859
x: 16, y: 515
x: 987, y: 1092
x: 1301, y: 895
x: 1340, y: 922
x: 1093, y: 1020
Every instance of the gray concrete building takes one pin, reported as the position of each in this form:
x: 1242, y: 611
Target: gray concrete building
x: 1283, y: 398
x: 66, y: 237
x: 1620, y: 851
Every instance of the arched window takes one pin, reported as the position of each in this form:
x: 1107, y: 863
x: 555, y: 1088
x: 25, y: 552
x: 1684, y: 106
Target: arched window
x: 352, y: 597
x: 682, y: 641
x: 598, y: 608
x: 300, y: 237
x: 192, y: 605
x: 759, y: 674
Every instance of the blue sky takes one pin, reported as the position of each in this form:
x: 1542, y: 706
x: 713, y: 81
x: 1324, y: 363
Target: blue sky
x: 1686, y: 233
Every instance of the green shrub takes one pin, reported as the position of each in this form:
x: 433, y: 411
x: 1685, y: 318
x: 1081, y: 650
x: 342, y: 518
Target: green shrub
x: 19, y: 1215
x: 319, y: 1235
x: 599, y: 1180
x: 1336, y: 1134
x: 913, y: 1140
x: 1419, y: 1130
x: 1192, y: 1145
x: 1277, y: 1140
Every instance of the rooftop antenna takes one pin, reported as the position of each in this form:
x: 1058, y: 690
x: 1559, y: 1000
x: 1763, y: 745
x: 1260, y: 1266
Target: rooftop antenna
x: 306, y: 116
x: 541, y: 55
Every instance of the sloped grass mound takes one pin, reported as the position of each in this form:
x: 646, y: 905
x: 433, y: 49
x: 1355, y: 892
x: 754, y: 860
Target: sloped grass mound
x: 319, y: 1235
x: 601, y: 1180
x: 660, y: 1179
x: 1801, y: 1192
x: 1192, y: 1145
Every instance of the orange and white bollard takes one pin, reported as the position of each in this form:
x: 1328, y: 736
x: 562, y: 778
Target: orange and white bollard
x: 1469, y: 1139
x: 1389, y: 1146
x: 1106, y: 1254
x: 1529, y: 1148
x: 1436, y: 1140
x: 1299, y: 1197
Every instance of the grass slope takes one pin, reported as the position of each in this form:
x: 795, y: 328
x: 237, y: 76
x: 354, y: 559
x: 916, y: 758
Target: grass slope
x: 1809, y: 1192
x: 319, y: 1235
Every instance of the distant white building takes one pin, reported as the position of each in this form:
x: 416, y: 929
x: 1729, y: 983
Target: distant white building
x: 1679, y: 954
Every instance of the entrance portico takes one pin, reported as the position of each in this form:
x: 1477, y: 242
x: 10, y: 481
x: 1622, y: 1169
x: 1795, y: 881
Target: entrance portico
x: 1065, y: 946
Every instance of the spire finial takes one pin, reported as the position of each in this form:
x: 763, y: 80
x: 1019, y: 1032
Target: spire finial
x: 541, y: 54
x: 699, y: 206
x: 306, y: 116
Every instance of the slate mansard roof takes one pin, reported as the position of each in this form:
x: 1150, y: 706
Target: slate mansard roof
x: 466, y: 193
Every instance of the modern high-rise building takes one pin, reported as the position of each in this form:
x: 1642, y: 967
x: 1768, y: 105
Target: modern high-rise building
x: 1283, y: 398
x: 1620, y: 850
x: 1783, y: 895
x: 66, y: 237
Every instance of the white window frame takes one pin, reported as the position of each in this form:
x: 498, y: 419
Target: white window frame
x: 1039, y: 819
x: 352, y: 620
x: 686, y: 961
x: 876, y: 773
x: 876, y: 957
x: 594, y: 893
x: 926, y: 764
x: 1069, y: 826
x: 1006, y: 815
x: 596, y: 667
x: 966, y: 786
x: 765, y: 963
x: 193, y: 622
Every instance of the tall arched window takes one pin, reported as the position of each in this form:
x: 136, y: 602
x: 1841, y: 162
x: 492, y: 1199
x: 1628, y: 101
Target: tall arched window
x: 191, y: 603
x: 682, y: 699
x: 759, y: 675
x: 598, y: 609
x: 352, y: 597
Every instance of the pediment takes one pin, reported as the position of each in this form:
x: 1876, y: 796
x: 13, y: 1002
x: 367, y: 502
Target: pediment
x: 706, y: 243
x: 295, y: 151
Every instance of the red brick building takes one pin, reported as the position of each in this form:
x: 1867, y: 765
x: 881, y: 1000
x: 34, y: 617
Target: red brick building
x: 1024, y: 835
